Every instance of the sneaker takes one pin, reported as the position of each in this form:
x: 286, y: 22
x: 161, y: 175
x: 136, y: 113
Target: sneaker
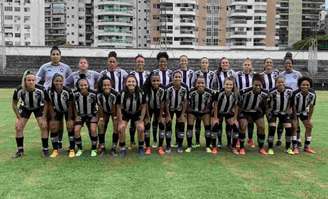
x: 251, y: 143
x: 71, y: 153
x: 262, y: 151
x: 123, y: 152
x: 289, y: 151
x: 180, y: 150
x: 278, y: 143
x: 215, y: 150
x: 113, y: 152
x: 93, y: 153
x: 18, y: 154
x: 188, y: 150
x: 168, y: 150
x: 235, y: 151
x: 45, y: 153
x: 141, y: 151
x: 154, y: 146
x: 296, y: 151
x: 270, y: 152
x: 242, y: 151
x: 161, y: 151
x: 79, y: 153
x: 54, y: 153
x: 197, y: 145
x: 148, y: 151
x: 309, y: 150
x: 208, y: 150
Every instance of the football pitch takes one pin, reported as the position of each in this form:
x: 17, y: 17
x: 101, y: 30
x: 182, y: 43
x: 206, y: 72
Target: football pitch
x: 194, y: 175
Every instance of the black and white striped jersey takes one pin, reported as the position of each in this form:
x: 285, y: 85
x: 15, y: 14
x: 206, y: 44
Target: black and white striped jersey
x: 175, y: 98
x: 200, y: 102
x: 131, y: 102
x: 244, y: 80
x: 60, y: 101
x: 219, y: 77
x: 31, y: 100
x: 207, y: 75
x: 280, y: 101
x: 226, y: 101
x: 107, y: 101
x: 270, y: 79
x: 165, y: 75
x: 141, y: 77
x: 302, y: 102
x: 155, y: 98
x: 187, y: 76
x: 85, y: 106
x: 253, y: 102
x: 117, y: 76
x: 90, y: 75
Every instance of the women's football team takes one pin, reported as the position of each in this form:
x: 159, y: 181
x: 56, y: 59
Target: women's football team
x: 154, y: 103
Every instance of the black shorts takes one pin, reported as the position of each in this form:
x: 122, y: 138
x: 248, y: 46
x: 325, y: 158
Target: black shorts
x: 177, y: 114
x: 225, y: 116
x: 59, y: 116
x: 198, y: 115
x: 283, y: 118
x: 303, y: 116
x: 129, y: 116
x: 250, y: 116
x: 25, y: 113
x: 85, y: 119
x: 155, y: 112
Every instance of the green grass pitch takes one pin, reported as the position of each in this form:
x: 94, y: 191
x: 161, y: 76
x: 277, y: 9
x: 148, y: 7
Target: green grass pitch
x: 195, y: 175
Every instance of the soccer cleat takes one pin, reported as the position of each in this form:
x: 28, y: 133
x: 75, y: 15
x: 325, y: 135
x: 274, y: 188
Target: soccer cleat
x: 161, y: 151
x: 235, y: 151
x: 71, y: 153
x: 296, y: 151
x: 123, y: 152
x: 188, y: 150
x: 180, y: 150
x: 174, y: 145
x: 270, y: 152
x: 79, y: 153
x: 262, y: 151
x: 148, y: 151
x: 242, y: 151
x: 215, y: 150
x: 289, y: 151
x: 93, y: 153
x: 18, y: 154
x: 45, y: 153
x: 238, y: 144
x: 54, y: 153
x: 141, y: 151
x: 197, y: 145
x: 113, y: 152
x: 154, y: 146
x: 309, y: 150
x: 208, y: 150
x: 251, y: 143
x: 168, y: 150
x: 278, y: 143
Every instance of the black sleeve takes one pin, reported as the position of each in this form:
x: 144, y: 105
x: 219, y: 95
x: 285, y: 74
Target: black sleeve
x: 15, y: 97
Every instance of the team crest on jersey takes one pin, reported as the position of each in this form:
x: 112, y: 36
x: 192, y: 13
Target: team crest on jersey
x: 61, y: 70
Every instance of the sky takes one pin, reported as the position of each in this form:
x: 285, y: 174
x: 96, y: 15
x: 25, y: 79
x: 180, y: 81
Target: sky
x: 326, y: 4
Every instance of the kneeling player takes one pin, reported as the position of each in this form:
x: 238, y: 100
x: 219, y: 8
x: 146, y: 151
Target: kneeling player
x: 303, y: 105
x: 253, y: 105
x: 281, y: 97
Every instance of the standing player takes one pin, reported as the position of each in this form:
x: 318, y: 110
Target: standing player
x: 176, y: 104
x: 187, y: 74
x: 61, y: 107
x: 163, y: 71
x: 226, y: 108
x: 108, y: 107
x: 133, y: 107
x: 244, y: 80
x: 27, y: 99
x: 91, y: 76
x: 281, y: 97
x: 199, y: 107
x: 303, y: 106
x: 85, y: 101
x: 253, y: 103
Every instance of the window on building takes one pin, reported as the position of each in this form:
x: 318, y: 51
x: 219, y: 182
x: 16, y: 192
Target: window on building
x: 17, y: 9
x: 8, y: 17
x: 27, y: 9
x: 17, y: 34
x: 8, y: 8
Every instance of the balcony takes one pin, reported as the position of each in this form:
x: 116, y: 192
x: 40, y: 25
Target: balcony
x: 114, y: 2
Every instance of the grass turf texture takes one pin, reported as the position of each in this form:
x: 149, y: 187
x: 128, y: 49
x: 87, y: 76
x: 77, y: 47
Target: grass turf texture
x: 194, y: 175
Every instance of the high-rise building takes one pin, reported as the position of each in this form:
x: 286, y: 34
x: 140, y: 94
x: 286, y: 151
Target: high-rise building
x: 55, y: 22
x: 141, y: 23
x: 23, y: 22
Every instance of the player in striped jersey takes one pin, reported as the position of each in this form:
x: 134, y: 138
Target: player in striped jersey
x: 141, y: 74
x: 303, y: 106
x: 208, y: 76
x: 226, y: 108
x: 108, y: 101
x: 27, y: 99
x: 176, y: 104
x: 115, y: 73
x: 187, y: 74
x: 280, y: 106
x: 253, y: 104
x: 47, y: 70
x: 199, y: 106
x: 221, y: 74
x: 91, y: 76
x: 244, y: 80
x: 155, y: 97
x: 164, y: 72
x: 85, y: 101
x: 133, y: 107
x: 61, y: 99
